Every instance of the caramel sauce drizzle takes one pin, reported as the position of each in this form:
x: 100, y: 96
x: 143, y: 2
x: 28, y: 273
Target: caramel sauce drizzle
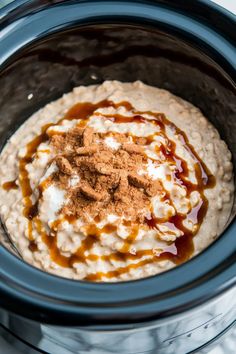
x: 183, y: 246
x: 10, y: 185
x: 130, y: 239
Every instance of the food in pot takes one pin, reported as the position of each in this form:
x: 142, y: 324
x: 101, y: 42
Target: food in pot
x: 115, y: 182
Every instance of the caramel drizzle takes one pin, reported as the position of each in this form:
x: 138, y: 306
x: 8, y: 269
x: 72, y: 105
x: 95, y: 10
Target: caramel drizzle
x: 183, y: 247
x: 10, y: 185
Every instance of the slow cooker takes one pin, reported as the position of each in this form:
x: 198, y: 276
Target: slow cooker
x: 48, y: 47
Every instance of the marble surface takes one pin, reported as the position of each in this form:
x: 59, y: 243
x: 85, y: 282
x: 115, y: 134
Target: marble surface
x: 228, y: 344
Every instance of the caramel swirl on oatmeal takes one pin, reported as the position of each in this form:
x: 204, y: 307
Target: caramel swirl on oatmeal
x: 95, y: 175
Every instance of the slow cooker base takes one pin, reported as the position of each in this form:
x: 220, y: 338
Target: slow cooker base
x: 223, y: 341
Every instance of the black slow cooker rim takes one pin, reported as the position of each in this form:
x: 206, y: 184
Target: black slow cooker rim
x: 47, y: 298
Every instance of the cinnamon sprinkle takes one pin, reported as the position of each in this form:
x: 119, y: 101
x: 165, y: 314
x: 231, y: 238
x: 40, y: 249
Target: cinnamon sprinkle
x: 109, y: 180
x: 138, y: 181
x: 133, y: 149
x: 86, y: 150
x: 64, y: 165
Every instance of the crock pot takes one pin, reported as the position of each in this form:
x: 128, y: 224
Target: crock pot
x: 48, y: 47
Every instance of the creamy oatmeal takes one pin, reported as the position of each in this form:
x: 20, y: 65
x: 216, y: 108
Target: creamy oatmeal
x: 115, y: 182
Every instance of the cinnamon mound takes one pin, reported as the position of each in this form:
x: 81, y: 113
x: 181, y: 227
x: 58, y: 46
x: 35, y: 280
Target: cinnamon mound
x: 109, y: 182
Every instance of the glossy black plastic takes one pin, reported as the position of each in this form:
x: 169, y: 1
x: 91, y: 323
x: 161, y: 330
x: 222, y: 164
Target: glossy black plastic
x: 47, y: 48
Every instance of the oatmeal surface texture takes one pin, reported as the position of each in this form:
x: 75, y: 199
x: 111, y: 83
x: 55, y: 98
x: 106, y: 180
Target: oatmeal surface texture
x: 115, y: 182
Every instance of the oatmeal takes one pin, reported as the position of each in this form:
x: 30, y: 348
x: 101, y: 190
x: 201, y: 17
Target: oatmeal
x: 115, y: 182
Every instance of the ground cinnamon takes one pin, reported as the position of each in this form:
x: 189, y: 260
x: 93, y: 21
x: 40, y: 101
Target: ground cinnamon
x: 109, y: 179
